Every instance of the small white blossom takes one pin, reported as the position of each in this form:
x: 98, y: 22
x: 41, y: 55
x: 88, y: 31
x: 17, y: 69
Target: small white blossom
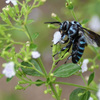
x: 98, y: 93
x: 14, y: 2
x: 53, y: 15
x: 57, y: 37
x: 84, y: 67
x: 9, y: 70
x: 43, y: 0
x: 35, y: 54
x: 90, y: 98
x: 94, y: 23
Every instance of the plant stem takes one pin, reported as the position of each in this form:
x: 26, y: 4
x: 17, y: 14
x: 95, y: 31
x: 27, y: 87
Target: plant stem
x: 53, y: 66
x: 76, y: 85
x: 36, y: 69
x: 27, y: 33
x: 42, y: 66
x: 83, y: 79
x: 73, y: 13
x: 30, y: 82
x: 54, y: 91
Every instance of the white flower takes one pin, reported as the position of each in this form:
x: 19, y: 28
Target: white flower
x: 9, y: 70
x: 35, y: 54
x: 84, y: 67
x: 90, y: 98
x: 14, y: 2
x: 53, y: 15
x: 57, y: 37
x: 94, y: 23
x: 98, y: 93
x: 43, y: 0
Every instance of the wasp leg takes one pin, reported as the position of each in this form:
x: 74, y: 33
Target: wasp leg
x: 70, y: 56
x: 64, y: 48
x: 67, y: 50
x: 64, y: 41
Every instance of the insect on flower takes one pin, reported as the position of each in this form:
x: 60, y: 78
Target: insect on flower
x: 77, y: 37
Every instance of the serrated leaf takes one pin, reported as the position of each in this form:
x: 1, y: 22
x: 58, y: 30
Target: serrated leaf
x: 66, y: 70
x: 79, y: 94
x: 29, y: 69
x: 91, y: 77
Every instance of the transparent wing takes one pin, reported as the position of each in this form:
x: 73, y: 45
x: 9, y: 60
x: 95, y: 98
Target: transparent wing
x: 91, y: 37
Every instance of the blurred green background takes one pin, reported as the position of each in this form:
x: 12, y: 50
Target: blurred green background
x: 84, y: 9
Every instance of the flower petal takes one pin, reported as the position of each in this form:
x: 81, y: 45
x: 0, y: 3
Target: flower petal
x: 57, y: 37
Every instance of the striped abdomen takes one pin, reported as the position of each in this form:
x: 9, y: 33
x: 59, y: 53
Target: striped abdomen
x: 78, y: 49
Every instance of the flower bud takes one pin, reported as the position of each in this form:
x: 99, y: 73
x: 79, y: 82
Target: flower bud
x: 51, y: 74
x: 54, y: 16
x: 21, y: 82
x: 45, y: 92
x: 43, y: 0
x: 4, y: 11
x: 69, y: 5
x: 18, y: 87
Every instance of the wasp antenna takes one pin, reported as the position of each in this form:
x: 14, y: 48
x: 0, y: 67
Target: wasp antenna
x: 52, y: 23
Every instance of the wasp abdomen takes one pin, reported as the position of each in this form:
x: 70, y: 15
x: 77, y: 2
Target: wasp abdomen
x: 78, y: 49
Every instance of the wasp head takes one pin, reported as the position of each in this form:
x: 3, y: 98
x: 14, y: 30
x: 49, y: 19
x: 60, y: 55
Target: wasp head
x: 64, y: 27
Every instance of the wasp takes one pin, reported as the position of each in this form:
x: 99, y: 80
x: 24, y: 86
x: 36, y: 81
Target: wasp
x: 77, y: 37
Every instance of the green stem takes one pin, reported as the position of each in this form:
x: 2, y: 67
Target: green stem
x: 83, y: 79
x: 73, y: 13
x: 27, y: 33
x: 53, y: 66
x: 30, y: 82
x: 42, y: 66
x: 76, y: 85
x: 54, y: 91
x: 36, y: 69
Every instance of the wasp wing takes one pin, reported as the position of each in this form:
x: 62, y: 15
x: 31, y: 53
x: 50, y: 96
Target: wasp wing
x: 91, y: 37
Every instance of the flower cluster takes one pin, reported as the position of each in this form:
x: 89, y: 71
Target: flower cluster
x: 9, y: 70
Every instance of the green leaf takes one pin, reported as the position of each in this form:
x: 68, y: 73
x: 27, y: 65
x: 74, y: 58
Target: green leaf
x: 35, y: 35
x: 30, y: 21
x: 79, y: 94
x: 85, y: 21
x: 1, y: 75
x: 66, y: 70
x: 91, y: 77
x: 39, y: 81
x: 33, y: 46
x: 94, y: 96
x: 29, y: 70
x: 94, y: 49
x: 9, y: 79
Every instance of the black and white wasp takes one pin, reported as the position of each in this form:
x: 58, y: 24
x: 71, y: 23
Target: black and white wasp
x: 77, y: 37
